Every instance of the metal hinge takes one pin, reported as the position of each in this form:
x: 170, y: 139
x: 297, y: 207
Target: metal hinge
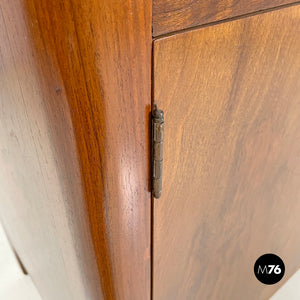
x: 157, y: 150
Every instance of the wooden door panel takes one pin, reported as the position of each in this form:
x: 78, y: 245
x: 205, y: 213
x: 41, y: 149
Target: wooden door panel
x: 231, y: 97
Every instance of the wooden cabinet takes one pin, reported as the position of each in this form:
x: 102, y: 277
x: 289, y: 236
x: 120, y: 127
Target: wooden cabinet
x: 75, y: 95
x: 78, y: 81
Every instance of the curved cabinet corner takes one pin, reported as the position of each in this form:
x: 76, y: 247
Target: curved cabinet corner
x: 74, y: 108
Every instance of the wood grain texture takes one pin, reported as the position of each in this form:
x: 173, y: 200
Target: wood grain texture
x: 231, y: 98
x: 170, y: 15
x: 75, y: 94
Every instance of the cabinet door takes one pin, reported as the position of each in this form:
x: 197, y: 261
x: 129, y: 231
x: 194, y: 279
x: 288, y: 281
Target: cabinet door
x: 231, y: 174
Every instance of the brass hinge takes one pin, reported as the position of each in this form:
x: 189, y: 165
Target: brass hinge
x: 157, y: 150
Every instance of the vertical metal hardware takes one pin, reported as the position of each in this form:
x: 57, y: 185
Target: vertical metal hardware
x: 157, y: 150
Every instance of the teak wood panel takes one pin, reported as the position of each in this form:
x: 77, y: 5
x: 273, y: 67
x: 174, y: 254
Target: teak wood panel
x: 173, y: 15
x: 75, y: 97
x: 231, y: 98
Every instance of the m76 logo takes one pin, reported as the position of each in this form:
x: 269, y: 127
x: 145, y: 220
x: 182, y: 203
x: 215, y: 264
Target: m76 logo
x: 269, y: 269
